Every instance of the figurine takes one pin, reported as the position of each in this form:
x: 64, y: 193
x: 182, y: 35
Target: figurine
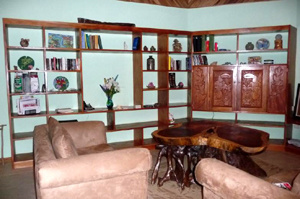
x: 15, y: 67
x: 87, y: 107
x: 150, y: 85
x: 171, y: 118
x: 180, y: 85
x: 278, y: 41
x: 177, y: 46
x: 24, y: 42
x: 156, y: 105
x: 44, y: 88
x: 214, y: 63
x: 152, y: 48
x: 145, y: 48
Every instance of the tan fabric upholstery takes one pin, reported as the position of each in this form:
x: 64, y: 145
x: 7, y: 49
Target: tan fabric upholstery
x: 97, y: 172
x: 227, y: 182
x: 62, y: 143
x: 296, y: 185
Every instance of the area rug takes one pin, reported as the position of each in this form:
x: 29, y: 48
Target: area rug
x: 170, y: 190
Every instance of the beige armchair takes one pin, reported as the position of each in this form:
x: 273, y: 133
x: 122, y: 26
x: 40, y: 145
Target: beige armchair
x: 222, y: 181
x: 93, y: 170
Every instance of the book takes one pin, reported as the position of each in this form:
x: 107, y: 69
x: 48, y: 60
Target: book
x: 96, y: 42
x: 211, y: 43
x: 88, y: 41
x: 82, y: 40
x: 172, y: 80
x: 64, y: 110
x: 100, y: 42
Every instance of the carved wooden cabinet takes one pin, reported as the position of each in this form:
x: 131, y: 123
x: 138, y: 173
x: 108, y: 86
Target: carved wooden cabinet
x: 242, y: 86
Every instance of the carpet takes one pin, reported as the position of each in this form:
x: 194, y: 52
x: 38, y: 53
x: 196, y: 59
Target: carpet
x: 170, y: 190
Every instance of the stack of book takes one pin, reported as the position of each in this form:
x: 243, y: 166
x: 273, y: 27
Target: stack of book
x: 91, y: 41
x: 62, y: 64
x: 64, y: 110
x: 200, y: 60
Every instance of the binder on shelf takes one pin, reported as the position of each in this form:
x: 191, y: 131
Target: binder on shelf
x: 136, y: 43
x: 100, y: 42
x: 88, y: 41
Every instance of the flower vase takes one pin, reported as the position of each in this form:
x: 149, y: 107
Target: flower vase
x: 109, y: 103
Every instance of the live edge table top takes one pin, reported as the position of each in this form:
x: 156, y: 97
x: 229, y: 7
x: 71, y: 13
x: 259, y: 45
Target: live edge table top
x: 219, y: 135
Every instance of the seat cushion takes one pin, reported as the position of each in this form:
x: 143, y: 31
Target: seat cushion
x: 62, y: 142
x: 94, y: 149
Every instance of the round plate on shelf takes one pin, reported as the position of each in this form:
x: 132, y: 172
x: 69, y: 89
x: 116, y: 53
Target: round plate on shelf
x: 26, y: 63
x: 262, y: 44
x: 61, y: 83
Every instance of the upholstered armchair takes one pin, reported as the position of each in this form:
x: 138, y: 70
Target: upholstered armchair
x: 73, y: 160
x: 222, y: 181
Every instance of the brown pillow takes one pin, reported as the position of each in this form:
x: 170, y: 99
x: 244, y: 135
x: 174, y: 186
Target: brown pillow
x: 62, y: 143
x: 52, y: 123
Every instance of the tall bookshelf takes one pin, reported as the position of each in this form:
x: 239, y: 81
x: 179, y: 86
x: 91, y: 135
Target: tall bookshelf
x: 40, y: 29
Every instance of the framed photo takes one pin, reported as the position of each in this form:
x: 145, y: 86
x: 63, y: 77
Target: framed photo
x: 60, y: 41
x: 254, y: 60
x: 297, y: 104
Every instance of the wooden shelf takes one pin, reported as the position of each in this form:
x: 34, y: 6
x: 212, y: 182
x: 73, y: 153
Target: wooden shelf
x: 22, y: 136
x: 24, y: 48
x: 64, y: 71
x: 26, y: 71
x: 41, y: 114
x: 263, y: 50
x: 75, y: 111
x: 37, y: 93
x: 110, y: 50
x: 167, y: 71
x: 215, y: 52
x: 63, y: 92
x: 63, y: 49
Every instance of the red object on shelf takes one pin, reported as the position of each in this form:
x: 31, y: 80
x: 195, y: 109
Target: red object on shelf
x: 207, y: 45
x: 216, y: 46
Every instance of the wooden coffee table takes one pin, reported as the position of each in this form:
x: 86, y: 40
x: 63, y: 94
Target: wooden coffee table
x: 187, y: 143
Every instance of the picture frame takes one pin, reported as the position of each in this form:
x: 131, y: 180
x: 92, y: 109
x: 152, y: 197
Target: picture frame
x: 60, y: 41
x: 297, y: 104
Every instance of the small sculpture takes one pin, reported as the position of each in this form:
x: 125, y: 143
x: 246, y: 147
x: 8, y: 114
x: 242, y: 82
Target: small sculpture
x: 145, y: 48
x: 87, y: 107
x: 171, y: 118
x: 151, y: 85
x: 15, y: 67
x: 278, y: 41
x: 152, y: 48
x: 156, y: 105
x: 214, y: 63
x: 180, y: 85
x: 44, y: 88
x: 24, y: 42
x: 177, y: 46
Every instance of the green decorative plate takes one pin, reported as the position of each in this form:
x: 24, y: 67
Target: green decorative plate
x: 61, y: 83
x: 26, y: 63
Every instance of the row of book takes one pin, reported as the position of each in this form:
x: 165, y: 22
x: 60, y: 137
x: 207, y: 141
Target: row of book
x: 62, y: 64
x: 204, y: 43
x: 200, y: 60
x: 177, y: 64
x: 91, y: 41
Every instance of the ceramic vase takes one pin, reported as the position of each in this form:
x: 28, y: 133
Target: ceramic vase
x: 150, y: 63
x: 249, y: 46
x: 109, y: 103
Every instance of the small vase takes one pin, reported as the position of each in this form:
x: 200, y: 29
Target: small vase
x: 150, y: 63
x: 249, y: 46
x: 109, y: 103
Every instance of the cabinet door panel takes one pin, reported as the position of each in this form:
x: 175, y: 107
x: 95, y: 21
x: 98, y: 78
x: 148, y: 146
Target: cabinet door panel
x: 277, y: 90
x: 222, y: 88
x: 253, y: 87
x: 200, y: 96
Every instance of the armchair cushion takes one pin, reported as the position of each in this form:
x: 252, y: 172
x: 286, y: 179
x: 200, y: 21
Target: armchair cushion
x: 94, y: 149
x: 296, y: 185
x: 62, y: 143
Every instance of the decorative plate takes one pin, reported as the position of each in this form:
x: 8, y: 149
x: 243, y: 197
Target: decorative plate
x: 262, y: 44
x: 61, y: 83
x: 26, y: 63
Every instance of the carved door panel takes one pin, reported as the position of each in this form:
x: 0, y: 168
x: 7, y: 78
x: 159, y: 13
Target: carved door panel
x: 252, y: 88
x: 200, y: 95
x: 222, y: 88
x: 277, y: 89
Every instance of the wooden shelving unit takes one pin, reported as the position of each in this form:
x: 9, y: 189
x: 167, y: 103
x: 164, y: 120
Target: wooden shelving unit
x: 139, y: 68
x: 163, y: 43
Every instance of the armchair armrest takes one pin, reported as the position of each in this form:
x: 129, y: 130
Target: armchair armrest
x: 229, y: 182
x: 92, y: 167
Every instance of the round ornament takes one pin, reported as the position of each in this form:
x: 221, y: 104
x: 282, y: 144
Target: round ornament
x: 262, y: 44
x: 26, y: 63
x: 61, y: 83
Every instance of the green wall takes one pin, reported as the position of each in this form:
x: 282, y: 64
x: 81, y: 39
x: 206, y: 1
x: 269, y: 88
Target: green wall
x: 233, y: 16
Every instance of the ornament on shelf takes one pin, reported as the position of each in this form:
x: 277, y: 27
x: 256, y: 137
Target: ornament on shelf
x: 24, y: 42
x: 278, y: 41
x: 151, y: 85
x: 177, y: 46
x: 171, y: 118
x: 180, y: 85
x: 152, y: 48
x: 145, y: 48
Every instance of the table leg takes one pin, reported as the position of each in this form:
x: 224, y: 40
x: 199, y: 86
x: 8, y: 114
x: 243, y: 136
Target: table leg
x: 162, y: 152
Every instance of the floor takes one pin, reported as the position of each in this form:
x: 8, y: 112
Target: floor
x: 19, y: 184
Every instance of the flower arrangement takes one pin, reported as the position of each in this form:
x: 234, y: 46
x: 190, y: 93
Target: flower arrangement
x: 110, y: 87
